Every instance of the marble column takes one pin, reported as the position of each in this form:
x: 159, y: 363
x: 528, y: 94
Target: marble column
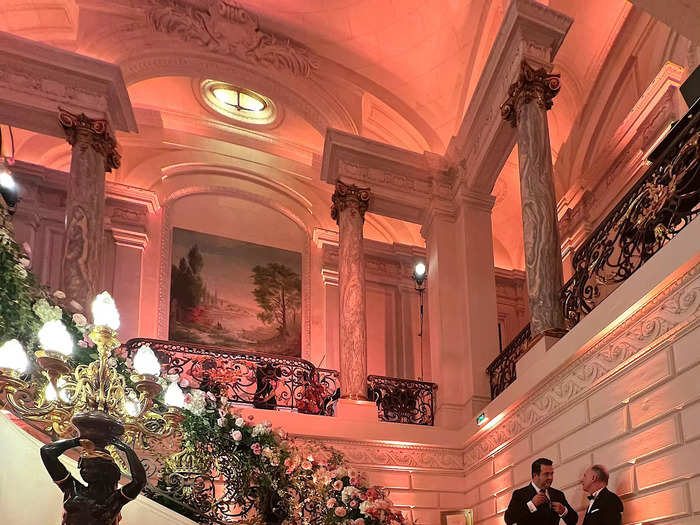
x: 93, y: 153
x: 526, y: 108
x: 349, y: 206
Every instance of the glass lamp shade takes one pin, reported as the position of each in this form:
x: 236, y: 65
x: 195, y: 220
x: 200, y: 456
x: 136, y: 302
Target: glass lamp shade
x: 104, y: 311
x: 174, y: 396
x: 50, y: 393
x: 54, y: 337
x: 132, y: 406
x: 13, y: 357
x: 145, y: 361
x: 419, y: 270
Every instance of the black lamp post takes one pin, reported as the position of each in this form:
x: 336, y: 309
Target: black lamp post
x: 420, y: 275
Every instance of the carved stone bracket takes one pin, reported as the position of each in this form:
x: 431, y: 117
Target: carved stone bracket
x: 83, y: 131
x: 226, y: 28
x: 533, y: 85
x: 349, y: 195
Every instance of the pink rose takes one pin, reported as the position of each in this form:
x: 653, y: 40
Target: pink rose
x: 306, y: 464
x: 340, y: 511
x: 236, y: 435
x: 256, y: 448
x: 358, y: 521
x: 337, y: 485
x: 331, y: 503
x: 353, y: 503
x: 251, y: 417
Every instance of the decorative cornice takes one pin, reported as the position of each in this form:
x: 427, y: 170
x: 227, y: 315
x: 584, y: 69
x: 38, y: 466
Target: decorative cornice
x: 349, y: 195
x: 536, y: 85
x: 82, y: 132
x: 227, y: 28
x: 394, y: 456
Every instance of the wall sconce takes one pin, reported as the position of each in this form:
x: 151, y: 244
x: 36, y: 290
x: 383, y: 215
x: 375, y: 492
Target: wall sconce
x: 8, y: 188
x: 420, y: 275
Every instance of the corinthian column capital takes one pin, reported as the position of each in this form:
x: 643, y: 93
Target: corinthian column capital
x: 533, y: 85
x: 82, y: 131
x: 349, y: 196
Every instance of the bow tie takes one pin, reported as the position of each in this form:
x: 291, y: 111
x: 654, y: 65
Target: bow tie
x: 591, y: 497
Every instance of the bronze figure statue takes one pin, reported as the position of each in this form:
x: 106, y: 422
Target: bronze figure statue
x: 101, y: 501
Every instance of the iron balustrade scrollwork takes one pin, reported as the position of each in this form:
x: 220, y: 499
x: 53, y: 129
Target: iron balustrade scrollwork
x: 502, y: 370
x: 262, y: 380
x: 659, y: 205
x: 654, y: 211
x: 403, y: 400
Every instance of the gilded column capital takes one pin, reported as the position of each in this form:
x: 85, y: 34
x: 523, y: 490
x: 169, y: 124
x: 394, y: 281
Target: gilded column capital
x: 533, y: 85
x: 83, y: 131
x: 349, y: 196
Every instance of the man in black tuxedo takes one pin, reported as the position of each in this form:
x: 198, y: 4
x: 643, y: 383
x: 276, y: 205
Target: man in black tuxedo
x: 538, y: 503
x: 604, y: 507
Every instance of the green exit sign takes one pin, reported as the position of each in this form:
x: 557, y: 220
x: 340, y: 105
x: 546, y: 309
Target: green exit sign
x: 481, y: 419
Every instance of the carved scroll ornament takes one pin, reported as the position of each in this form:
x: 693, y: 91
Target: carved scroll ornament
x: 349, y: 195
x: 533, y: 85
x: 82, y: 131
x: 227, y: 28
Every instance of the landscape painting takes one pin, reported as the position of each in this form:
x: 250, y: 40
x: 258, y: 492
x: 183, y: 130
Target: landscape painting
x: 235, y: 294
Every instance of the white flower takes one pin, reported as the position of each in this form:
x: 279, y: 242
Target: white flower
x: 349, y: 493
x: 80, y: 320
x: 236, y: 435
x: 220, y: 421
x: 198, y: 403
x: 21, y: 271
x: 58, y: 294
x: 240, y: 422
x: 260, y: 430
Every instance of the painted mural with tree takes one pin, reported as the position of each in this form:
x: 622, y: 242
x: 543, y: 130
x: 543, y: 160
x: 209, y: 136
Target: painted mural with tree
x: 235, y: 294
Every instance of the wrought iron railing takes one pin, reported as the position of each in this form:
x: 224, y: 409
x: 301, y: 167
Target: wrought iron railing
x: 657, y: 207
x: 403, y: 400
x: 502, y: 371
x: 264, y: 381
x: 664, y: 200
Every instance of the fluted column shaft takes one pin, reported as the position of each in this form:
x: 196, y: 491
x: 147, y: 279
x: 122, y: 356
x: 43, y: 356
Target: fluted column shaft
x: 529, y: 99
x: 93, y: 153
x: 349, y: 206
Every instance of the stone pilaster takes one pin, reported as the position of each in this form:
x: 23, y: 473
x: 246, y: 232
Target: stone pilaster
x: 349, y: 206
x: 93, y: 153
x: 529, y: 98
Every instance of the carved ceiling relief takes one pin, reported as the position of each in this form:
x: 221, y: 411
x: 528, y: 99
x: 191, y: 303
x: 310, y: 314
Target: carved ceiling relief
x: 226, y: 28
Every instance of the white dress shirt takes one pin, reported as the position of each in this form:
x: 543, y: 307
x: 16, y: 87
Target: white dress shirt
x: 591, y: 502
x: 533, y: 508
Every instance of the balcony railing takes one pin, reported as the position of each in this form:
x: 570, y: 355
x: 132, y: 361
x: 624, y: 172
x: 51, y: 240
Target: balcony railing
x: 263, y: 381
x: 403, y: 400
x: 502, y: 371
x: 664, y: 200
x: 657, y: 207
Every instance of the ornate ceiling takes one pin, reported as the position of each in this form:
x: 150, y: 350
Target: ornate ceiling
x: 398, y: 71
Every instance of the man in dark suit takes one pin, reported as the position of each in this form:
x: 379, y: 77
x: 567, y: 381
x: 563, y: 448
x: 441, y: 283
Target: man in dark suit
x: 538, y: 503
x: 604, y: 507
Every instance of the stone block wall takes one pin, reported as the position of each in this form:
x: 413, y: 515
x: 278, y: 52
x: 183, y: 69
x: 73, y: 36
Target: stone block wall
x: 631, y: 402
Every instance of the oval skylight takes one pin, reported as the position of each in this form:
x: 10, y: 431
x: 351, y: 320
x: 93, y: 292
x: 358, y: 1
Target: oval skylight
x: 238, y: 103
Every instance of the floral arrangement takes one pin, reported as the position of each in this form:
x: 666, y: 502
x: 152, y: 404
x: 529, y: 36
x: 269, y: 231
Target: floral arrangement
x: 288, y: 483
x: 262, y: 468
